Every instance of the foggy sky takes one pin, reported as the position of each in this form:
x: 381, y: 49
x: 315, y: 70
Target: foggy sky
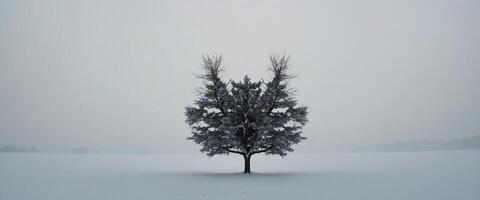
x: 116, y: 75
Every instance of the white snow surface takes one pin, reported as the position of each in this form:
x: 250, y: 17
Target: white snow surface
x: 434, y: 175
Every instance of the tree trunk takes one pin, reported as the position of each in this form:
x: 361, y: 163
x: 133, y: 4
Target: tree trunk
x: 247, y: 164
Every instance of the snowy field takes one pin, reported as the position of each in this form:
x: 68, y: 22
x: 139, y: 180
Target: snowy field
x: 387, y: 176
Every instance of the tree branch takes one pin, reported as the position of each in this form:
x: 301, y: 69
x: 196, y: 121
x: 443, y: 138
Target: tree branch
x: 233, y: 151
x: 219, y: 104
x: 272, y: 106
x: 261, y: 151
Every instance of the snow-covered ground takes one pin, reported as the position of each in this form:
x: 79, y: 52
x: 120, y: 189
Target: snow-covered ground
x: 386, y: 176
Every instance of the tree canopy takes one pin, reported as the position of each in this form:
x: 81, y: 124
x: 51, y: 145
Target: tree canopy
x: 246, y: 117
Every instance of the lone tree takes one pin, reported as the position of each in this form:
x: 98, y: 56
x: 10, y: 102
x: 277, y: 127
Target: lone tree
x: 246, y: 117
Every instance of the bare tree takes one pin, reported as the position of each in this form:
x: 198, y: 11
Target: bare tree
x: 246, y: 117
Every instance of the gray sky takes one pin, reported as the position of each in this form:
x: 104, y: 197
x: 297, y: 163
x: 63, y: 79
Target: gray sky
x: 116, y: 75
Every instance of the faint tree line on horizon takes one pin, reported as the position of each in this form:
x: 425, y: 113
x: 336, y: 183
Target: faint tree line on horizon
x: 424, y: 145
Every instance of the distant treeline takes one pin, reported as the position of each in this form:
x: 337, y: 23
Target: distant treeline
x: 425, y: 145
x: 14, y: 149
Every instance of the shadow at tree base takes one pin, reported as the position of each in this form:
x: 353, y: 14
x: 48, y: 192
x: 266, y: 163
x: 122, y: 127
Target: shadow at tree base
x: 252, y: 174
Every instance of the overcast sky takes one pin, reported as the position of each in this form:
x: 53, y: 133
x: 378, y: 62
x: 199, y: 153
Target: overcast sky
x: 116, y: 75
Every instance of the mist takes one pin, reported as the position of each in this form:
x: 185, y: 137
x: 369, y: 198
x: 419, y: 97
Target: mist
x: 115, y: 76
